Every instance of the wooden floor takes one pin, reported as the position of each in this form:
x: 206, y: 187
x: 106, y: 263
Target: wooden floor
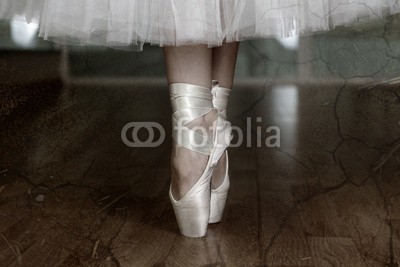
x: 71, y: 193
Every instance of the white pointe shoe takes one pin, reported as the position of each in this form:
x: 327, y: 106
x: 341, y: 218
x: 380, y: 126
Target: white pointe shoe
x: 220, y: 194
x: 190, y: 102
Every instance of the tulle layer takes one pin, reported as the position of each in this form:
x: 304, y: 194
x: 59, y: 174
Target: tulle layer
x: 181, y: 22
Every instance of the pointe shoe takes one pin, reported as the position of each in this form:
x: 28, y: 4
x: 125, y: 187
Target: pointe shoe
x: 220, y: 194
x: 190, y: 102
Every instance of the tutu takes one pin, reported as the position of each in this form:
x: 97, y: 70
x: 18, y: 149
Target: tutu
x: 182, y: 22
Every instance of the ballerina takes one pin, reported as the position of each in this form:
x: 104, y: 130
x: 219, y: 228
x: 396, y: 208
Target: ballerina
x: 200, y: 40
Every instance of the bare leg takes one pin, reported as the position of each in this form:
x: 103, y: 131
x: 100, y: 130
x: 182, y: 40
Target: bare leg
x: 223, y: 70
x: 189, y: 64
x: 224, y: 63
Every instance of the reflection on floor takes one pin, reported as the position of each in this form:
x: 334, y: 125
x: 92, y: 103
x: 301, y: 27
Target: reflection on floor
x: 72, y: 193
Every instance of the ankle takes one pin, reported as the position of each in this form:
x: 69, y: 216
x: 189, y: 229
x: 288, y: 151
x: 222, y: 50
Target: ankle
x: 205, y: 123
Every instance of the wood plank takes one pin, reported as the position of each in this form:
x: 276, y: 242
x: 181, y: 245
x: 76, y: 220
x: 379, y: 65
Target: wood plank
x: 363, y: 218
x: 239, y: 229
x: 44, y: 252
x: 146, y: 237
x: 395, y: 249
x: 194, y: 251
x: 319, y: 217
x: 284, y: 240
x: 335, y: 251
x: 290, y: 248
x: 22, y: 236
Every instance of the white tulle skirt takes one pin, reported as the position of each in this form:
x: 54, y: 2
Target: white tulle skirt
x: 182, y: 22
